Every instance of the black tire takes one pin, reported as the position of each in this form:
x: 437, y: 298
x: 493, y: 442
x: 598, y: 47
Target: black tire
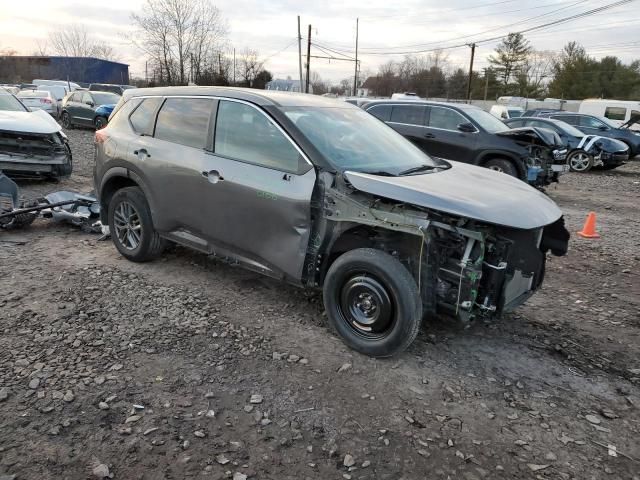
x: 100, y: 122
x: 362, y: 272
x: 66, y: 120
x: 502, y: 165
x: 580, y: 161
x: 149, y: 244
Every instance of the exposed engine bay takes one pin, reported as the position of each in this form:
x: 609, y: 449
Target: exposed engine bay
x: 547, y: 158
x: 35, y: 154
x: 464, y: 268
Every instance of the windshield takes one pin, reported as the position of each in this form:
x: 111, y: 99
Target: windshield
x: 608, y: 122
x: 105, y: 98
x: 487, y: 121
x: 515, y: 113
x: 11, y: 104
x: 352, y: 139
x: 569, y: 129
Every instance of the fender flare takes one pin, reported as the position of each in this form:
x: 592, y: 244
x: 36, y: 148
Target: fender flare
x: 124, y: 172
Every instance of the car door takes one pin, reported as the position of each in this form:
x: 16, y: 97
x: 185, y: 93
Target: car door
x: 84, y: 110
x: 445, y: 140
x: 409, y: 121
x: 256, y: 189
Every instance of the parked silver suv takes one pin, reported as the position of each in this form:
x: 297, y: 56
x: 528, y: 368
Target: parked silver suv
x: 321, y: 194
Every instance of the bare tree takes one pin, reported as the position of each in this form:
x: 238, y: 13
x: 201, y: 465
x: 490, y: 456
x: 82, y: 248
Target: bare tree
x: 183, y: 38
x: 249, y: 65
x: 74, y: 41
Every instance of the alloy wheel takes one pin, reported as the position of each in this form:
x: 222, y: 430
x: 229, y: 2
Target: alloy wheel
x: 496, y: 168
x: 126, y: 221
x: 580, y: 162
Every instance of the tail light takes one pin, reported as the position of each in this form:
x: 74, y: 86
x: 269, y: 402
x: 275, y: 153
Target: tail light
x: 45, y: 100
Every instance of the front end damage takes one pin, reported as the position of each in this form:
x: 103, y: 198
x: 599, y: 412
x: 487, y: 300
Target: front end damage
x: 35, y: 154
x: 464, y: 268
x: 547, y: 156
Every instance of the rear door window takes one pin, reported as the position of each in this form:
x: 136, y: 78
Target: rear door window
x: 143, y: 116
x: 383, y: 112
x: 409, y: 114
x: 570, y: 119
x: 615, y: 113
x: 590, y: 122
x: 244, y: 133
x: 184, y: 121
x: 445, y: 118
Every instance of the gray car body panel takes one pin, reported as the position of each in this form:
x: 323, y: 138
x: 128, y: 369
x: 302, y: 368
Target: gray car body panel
x: 467, y: 191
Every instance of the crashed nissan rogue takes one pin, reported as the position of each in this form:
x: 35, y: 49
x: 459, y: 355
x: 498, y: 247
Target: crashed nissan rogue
x: 321, y: 194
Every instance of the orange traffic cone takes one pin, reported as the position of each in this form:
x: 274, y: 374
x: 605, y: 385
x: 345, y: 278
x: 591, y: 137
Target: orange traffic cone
x: 589, y: 229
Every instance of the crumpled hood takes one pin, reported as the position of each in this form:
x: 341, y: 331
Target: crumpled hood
x: 37, y: 121
x: 466, y: 191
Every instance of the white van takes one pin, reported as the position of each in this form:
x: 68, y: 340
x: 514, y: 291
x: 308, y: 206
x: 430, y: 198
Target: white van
x: 618, y: 111
x: 504, y: 112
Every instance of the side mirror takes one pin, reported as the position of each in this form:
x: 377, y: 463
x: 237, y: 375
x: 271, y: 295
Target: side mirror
x: 466, y: 127
x: 90, y: 103
x: 503, y: 115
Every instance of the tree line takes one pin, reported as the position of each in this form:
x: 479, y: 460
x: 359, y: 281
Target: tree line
x: 516, y: 69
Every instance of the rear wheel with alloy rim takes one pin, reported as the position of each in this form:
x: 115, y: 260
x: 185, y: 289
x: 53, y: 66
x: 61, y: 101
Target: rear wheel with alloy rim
x: 100, y: 122
x: 66, y: 120
x: 131, y: 226
x: 580, y: 161
x: 372, y: 301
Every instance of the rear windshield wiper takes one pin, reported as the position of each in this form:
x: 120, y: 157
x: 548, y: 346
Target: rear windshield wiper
x: 420, y: 168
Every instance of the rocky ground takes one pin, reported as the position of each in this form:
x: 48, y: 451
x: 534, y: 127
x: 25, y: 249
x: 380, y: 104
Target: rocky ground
x: 185, y: 367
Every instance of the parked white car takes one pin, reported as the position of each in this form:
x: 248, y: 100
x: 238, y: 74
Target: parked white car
x: 617, y: 111
x: 505, y: 112
x: 31, y: 142
x: 39, y: 100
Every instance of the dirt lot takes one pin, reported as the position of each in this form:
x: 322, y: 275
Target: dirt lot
x: 186, y: 368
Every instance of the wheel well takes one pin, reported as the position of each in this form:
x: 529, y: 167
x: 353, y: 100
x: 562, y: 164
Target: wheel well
x: 483, y: 161
x: 108, y: 191
x: 403, y: 245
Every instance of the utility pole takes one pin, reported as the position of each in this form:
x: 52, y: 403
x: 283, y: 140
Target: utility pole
x: 306, y: 87
x: 234, y: 66
x: 473, y: 52
x: 300, y: 53
x: 146, y: 74
x: 486, y: 82
x: 355, y: 75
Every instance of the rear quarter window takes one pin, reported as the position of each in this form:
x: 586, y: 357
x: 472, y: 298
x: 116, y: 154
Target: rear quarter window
x: 143, y: 116
x: 382, y: 112
x: 184, y: 121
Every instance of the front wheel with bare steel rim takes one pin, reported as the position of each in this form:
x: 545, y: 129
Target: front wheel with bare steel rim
x: 373, y: 302
x: 131, y: 226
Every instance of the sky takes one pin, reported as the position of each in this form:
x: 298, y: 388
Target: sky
x: 386, y: 29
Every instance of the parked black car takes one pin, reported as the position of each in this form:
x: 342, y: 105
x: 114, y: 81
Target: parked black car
x: 109, y: 87
x: 319, y: 193
x: 585, y: 151
x: 468, y: 134
x: 592, y: 125
x: 88, y: 109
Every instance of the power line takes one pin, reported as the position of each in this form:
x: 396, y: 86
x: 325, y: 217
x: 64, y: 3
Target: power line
x: 569, y: 18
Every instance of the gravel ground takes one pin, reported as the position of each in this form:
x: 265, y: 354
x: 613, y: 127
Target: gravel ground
x: 187, y: 368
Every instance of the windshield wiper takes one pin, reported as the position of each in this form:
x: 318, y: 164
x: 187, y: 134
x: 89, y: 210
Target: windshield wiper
x: 420, y: 168
x: 381, y: 173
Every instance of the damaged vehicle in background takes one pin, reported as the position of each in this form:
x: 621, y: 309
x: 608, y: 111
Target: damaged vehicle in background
x: 319, y: 193
x: 466, y: 133
x: 585, y: 151
x: 31, y: 143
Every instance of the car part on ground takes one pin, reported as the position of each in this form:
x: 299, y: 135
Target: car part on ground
x: 320, y: 194
x: 32, y: 144
x: 468, y: 134
x: 80, y: 210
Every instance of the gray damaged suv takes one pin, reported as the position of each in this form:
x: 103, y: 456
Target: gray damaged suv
x: 321, y: 194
